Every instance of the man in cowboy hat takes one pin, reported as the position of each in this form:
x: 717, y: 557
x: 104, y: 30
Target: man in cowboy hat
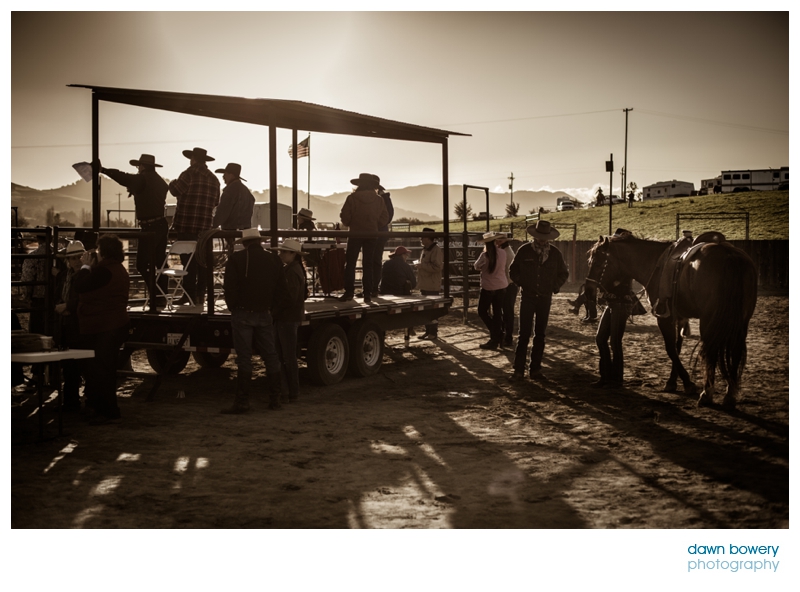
x: 397, y: 277
x: 197, y: 192
x: 364, y: 211
x: 235, y: 209
x: 305, y: 220
x: 539, y: 269
x: 149, y: 193
x: 254, y: 284
x: 429, y: 275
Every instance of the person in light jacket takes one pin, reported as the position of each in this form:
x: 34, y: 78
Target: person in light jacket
x: 492, y: 265
x: 429, y: 275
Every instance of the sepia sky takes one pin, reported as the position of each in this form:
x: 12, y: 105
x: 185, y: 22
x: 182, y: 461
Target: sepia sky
x: 541, y: 93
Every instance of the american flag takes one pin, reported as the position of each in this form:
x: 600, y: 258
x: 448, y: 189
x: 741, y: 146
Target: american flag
x: 302, y: 148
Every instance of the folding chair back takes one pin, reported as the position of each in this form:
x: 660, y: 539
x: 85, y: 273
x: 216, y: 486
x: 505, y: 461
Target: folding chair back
x: 175, y: 274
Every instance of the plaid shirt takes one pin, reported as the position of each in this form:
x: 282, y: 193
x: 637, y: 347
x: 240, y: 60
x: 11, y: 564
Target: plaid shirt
x: 197, y: 190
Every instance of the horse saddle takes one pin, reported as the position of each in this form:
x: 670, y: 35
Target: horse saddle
x: 674, y: 258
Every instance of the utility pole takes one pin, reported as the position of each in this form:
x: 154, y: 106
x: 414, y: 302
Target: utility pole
x: 511, y: 187
x: 610, y: 171
x: 625, y: 164
x: 119, y: 208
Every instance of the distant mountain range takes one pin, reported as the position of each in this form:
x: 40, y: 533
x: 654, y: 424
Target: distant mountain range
x: 424, y: 202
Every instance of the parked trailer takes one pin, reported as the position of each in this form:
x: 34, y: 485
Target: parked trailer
x: 335, y: 336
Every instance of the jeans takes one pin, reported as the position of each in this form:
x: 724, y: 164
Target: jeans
x: 509, y: 302
x: 365, y: 246
x: 286, y: 333
x: 611, y: 328
x: 493, y: 321
x: 433, y: 328
x: 530, y: 308
x: 150, y: 253
x: 101, y: 371
x: 254, y: 329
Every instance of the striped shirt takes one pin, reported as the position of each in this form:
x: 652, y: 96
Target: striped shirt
x: 197, y: 190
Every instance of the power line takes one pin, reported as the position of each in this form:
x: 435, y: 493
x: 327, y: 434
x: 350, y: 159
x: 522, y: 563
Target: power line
x: 714, y: 122
x: 526, y: 118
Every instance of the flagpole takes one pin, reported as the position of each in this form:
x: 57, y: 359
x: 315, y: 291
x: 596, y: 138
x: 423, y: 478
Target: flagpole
x: 308, y: 195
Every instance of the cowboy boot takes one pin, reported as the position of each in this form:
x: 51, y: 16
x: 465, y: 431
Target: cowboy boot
x: 274, y: 381
x: 241, y: 402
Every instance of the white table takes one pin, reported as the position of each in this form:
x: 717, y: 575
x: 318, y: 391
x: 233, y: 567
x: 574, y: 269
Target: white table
x: 38, y: 359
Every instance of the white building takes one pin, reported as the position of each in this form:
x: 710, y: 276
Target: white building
x: 666, y: 189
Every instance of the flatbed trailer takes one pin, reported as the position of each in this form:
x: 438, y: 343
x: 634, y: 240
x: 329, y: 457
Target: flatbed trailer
x: 335, y: 337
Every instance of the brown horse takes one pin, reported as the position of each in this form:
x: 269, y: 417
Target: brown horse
x: 716, y: 284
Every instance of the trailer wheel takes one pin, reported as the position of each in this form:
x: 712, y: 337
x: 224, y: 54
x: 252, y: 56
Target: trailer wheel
x: 209, y: 359
x: 158, y: 358
x: 327, y: 354
x: 366, y: 348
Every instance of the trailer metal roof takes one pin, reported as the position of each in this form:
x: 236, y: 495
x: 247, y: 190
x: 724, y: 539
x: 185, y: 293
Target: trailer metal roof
x: 286, y: 114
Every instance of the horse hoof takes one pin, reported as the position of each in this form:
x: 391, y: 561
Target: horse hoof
x: 729, y: 403
x: 705, y: 400
x: 690, y: 388
x: 671, y: 387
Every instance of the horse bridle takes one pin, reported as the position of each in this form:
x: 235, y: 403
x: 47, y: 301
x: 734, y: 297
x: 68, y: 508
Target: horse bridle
x: 599, y: 281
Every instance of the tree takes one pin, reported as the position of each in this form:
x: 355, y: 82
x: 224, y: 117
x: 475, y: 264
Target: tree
x: 632, y: 187
x: 460, y: 212
x: 512, y: 210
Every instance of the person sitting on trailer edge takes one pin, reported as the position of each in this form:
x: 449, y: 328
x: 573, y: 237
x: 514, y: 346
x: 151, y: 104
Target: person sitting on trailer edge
x: 254, y: 285
x: 397, y: 277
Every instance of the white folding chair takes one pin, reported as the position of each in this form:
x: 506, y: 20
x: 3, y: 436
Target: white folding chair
x: 176, y: 274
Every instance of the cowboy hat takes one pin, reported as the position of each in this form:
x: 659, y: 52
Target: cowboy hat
x: 249, y: 234
x: 543, y: 231
x: 145, y: 160
x: 401, y: 250
x: 290, y: 245
x: 197, y: 154
x: 73, y: 249
x: 305, y: 213
x: 366, y: 181
x: 232, y: 169
x: 490, y: 236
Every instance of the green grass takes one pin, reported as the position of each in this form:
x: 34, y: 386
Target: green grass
x: 769, y: 218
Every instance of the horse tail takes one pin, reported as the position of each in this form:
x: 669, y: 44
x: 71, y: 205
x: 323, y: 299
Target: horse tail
x: 724, y: 341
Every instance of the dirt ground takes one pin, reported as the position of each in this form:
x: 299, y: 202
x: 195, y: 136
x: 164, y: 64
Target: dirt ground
x: 438, y: 439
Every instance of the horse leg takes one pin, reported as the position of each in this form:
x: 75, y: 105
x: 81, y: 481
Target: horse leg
x: 669, y: 333
x: 707, y: 396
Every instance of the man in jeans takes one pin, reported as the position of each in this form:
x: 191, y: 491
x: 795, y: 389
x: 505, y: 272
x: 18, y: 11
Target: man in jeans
x: 539, y: 269
x: 429, y: 275
x: 197, y: 192
x: 254, y: 285
x: 149, y: 193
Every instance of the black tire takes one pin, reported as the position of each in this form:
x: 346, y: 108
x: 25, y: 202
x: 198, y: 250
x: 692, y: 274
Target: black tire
x: 327, y: 355
x: 366, y: 348
x: 158, y: 358
x: 210, y: 359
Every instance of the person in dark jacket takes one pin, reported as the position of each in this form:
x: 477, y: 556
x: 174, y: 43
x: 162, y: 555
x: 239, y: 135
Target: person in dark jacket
x: 288, y: 318
x: 254, y: 285
x: 539, y: 269
x: 364, y: 211
x: 149, y: 193
x: 103, y: 322
x: 235, y: 209
x: 397, y: 277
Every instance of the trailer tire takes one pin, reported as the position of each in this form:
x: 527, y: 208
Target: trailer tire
x: 327, y: 355
x: 366, y: 348
x: 210, y: 359
x: 157, y: 358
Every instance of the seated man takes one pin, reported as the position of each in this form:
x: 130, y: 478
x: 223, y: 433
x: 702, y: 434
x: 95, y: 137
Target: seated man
x: 397, y: 277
